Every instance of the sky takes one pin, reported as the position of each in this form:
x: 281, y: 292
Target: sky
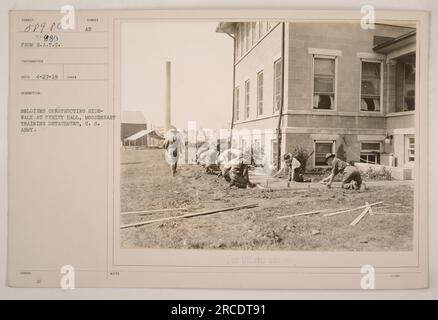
x: 202, y: 72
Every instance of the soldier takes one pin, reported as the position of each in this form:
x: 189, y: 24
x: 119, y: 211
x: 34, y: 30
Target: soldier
x: 173, y: 145
x: 291, y: 163
x: 239, y: 173
x: 352, y: 178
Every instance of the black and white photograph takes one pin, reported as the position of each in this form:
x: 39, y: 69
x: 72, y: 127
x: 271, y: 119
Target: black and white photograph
x: 195, y: 150
x: 268, y: 135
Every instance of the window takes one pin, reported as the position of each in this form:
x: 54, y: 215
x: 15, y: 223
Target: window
x: 236, y: 104
x: 256, y: 148
x: 238, y: 41
x: 241, y: 36
x: 247, y: 84
x: 260, y: 93
x: 410, y: 148
x: 409, y: 88
x: 247, y: 36
x: 405, y: 83
x: 370, y: 152
x: 321, y: 150
x: 270, y: 25
x: 278, y: 84
x: 261, y: 29
x: 370, y: 86
x: 274, y: 151
x: 256, y: 152
x: 244, y: 146
x: 324, y: 69
x: 253, y: 33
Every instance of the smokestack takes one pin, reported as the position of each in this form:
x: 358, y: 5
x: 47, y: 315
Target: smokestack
x: 167, y: 115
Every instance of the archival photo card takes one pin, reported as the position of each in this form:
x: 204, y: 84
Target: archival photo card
x: 223, y: 149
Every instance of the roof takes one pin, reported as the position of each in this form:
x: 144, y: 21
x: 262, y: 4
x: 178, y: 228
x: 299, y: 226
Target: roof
x: 133, y: 117
x: 143, y: 133
x: 396, y: 43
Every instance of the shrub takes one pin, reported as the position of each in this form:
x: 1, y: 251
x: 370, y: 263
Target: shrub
x: 381, y: 174
x: 302, y: 155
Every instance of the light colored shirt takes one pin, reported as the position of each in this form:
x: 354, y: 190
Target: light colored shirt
x: 173, y: 145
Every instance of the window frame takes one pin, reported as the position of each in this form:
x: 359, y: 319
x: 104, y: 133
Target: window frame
x: 247, y: 100
x: 381, y: 84
x: 260, y: 94
x: 238, y: 44
x: 254, y: 38
x: 368, y: 152
x: 335, y: 81
x: 404, y: 87
x: 315, y: 142
x: 274, y: 93
x: 247, y: 36
x: 261, y: 30
x: 243, y: 145
x: 241, y: 39
x: 274, y: 150
x: 236, y: 103
x: 407, y: 138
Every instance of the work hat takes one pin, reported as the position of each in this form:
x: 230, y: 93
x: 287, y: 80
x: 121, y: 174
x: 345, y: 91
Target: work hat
x: 328, y: 156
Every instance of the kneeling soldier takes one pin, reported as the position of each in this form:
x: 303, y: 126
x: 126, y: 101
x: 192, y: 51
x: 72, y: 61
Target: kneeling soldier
x: 239, y: 174
x: 352, y: 178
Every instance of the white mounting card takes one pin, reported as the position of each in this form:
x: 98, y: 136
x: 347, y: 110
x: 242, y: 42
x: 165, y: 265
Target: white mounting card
x: 96, y: 201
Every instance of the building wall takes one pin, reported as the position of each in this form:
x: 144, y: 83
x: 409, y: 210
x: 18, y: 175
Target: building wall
x: 350, y: 40
x: 346, y: 124
x: 334, y: 120
x: 128, y: 129
x: 146, y: 141
x: 261, y: 57
x: 346, y: 146
x: 400, y: 126
x: 401, y: 120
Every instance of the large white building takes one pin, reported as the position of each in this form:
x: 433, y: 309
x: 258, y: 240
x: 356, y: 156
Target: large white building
x: 327, y: 87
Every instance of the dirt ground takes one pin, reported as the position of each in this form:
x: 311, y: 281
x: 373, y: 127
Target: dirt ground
x: 146, y: 184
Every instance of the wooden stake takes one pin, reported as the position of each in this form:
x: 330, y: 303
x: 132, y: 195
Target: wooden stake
x: 353, y: 209
x: 394, y: 214
x: 152, y: 211
x: 299, y: 214
x: 359, y: 217
x: 370, y: 211
x: 188, y: 215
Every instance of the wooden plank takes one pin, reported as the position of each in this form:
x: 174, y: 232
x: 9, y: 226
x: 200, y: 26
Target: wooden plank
x: 359, y: 217
x: 353, y: 209
x: 188, y: 215
x: 152, y: 211
x: 299, y: 214
x: 395, y: 206
x: 394, y: 214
